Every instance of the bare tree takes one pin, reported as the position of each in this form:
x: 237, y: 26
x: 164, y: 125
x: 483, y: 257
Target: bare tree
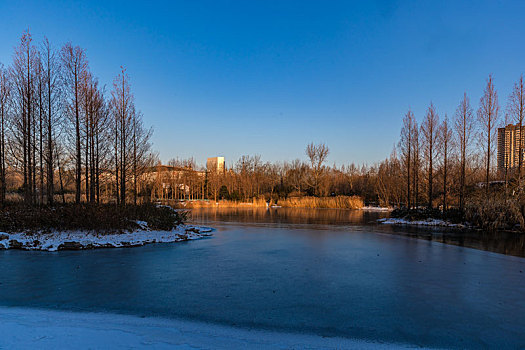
x: 488, y: 117
x: 140, y: 148
x: 5, y: 90
x: 296, y: 173
x: 429, y: 130
x: 445, y: 142
x: 52, y: 94
x: 406, y: 148
x: 23, y: 75
x: 516, y: 110
x: 464, y: 126
x: 416, y: 162
x: 95, y: 126
x: 123, y: 110
x: 317, y: 155
x: 74, y: 64
x: 40, y: 92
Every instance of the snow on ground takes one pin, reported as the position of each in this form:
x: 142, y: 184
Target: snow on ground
x: 49, y: 329
x: 369, y: 208
x: 427, y: 222
x: 88, y: 240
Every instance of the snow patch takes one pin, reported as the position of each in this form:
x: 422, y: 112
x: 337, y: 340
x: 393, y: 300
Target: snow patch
x: 76, y: 240
x: 381, y: 209
x: 427, y: 222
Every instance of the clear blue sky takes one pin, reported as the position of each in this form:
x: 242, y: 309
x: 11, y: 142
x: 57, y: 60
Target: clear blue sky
x: 267, y: 77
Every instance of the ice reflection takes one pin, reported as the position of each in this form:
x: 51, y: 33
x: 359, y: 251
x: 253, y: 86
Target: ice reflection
x: 509, y: 243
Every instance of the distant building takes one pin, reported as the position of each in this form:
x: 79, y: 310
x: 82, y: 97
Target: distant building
x: 215, y: 164
x: 508, y: 146
x: 174, y: 182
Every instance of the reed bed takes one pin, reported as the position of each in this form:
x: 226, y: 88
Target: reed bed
x: 338, y: 202
x: 223, y: 203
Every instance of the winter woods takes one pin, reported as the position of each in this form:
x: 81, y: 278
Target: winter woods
x: 460, y: 154
x: 62, y: 136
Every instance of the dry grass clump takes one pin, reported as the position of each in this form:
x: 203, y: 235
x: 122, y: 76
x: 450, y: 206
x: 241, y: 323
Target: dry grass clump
x: 338, y: 202
x: 493, y: 214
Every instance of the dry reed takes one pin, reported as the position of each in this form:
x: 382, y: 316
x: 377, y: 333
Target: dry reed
x: 339, y: 202
x: 255, y: 203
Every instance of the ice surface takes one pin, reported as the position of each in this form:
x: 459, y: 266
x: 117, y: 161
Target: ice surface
x: 48, y: 329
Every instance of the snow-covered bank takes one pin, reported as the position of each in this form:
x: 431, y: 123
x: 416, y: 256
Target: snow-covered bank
x: 47, y: 329
x: 89, y: 240
x: 427, y: 222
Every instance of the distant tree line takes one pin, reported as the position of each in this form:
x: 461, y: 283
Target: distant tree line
x: 61, y: 133
x: 250, y: 178
x: 438, y: 163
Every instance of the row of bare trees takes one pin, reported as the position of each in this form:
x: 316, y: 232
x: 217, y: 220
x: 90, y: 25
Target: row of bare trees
x: 59, y: 128
x: 462, y: 151
x: 249, y: 177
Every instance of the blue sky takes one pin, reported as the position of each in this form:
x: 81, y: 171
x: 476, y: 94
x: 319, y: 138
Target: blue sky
x: 267, y: 77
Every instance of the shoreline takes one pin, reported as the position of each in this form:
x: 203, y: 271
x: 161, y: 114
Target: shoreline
x: 83, y: 240
x: 52, y: 329
x: 430, y: 222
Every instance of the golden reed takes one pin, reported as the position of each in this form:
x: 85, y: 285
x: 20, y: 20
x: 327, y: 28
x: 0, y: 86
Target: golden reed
x: 338, y: 202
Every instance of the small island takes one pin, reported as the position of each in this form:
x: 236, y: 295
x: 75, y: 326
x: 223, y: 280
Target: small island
x: 78, y: 227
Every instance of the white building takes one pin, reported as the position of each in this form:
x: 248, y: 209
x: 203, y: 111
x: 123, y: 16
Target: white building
x: 215, y: 164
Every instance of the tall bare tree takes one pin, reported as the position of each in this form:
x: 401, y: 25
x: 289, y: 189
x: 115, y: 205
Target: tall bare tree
x: 429, y: 130
x: 406, y: 145
x: 464, y: 127
x: 140, y: 147
x: 445, y: 142
x: 99, y: 139
x: 23, y: 76
x: 516, y: 111
x: 5, y: 91
x: 40, y: 94
x: 416, y: 162
x: 123, y: 109
x: 51, y: 69
x: 488, y: 118
x: 75, y: 65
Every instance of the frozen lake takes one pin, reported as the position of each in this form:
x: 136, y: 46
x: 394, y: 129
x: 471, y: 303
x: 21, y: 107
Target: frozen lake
x: 323, y: 272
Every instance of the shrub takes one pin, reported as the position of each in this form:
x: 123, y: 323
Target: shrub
x: 493, y: 214
x: 102, y: 218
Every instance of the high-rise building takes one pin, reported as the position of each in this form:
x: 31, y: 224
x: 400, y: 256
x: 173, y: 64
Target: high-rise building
x: 509, y: 146
x: 215, y: 164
